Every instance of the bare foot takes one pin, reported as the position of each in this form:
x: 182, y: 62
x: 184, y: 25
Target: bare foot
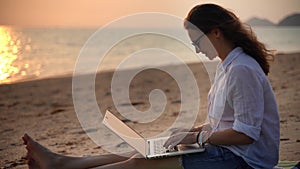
x: 39, y: 156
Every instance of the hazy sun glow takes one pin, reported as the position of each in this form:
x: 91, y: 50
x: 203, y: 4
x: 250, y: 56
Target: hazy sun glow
x: 97, y: 13
x: 8, y: 54
x: 12, y: 46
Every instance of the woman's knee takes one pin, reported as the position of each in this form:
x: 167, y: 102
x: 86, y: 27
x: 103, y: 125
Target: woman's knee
x: 135, y: 160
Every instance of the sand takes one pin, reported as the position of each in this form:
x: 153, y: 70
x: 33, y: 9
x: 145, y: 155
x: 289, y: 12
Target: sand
x: 44, y: 109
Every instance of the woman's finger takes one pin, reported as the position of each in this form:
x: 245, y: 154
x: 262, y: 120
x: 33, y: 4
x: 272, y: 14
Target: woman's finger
x: 176, y: 139
x: 168, y: 142
x: 176, y: 131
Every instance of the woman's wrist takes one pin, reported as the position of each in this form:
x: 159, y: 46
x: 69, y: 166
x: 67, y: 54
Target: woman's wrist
x: 203, y: 137
x: 199, y: 128
x: 209, y: 139
x: 195, y: 137
x: 196, y: 129
x: 200, y: 140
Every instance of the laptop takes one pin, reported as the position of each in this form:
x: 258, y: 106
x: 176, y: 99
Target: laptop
x: 149, y: 148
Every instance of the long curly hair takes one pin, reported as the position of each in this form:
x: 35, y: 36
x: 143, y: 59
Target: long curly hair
x: 210, y: 16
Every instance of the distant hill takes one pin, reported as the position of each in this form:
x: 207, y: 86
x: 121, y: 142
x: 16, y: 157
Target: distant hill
x: 291, y: 20
x: 259, y: 22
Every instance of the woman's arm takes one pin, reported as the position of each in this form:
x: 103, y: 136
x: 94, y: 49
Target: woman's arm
x: 194, y: 129
x: 223, y: 137
x: 229, y: 137
x: 205, y: 127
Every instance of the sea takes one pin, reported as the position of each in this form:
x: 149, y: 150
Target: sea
x: 36, y: 53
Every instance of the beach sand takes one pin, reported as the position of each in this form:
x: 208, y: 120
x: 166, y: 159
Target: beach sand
x: 44, y: 109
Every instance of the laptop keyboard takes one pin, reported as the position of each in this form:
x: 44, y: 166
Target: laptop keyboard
x: 159, y: 146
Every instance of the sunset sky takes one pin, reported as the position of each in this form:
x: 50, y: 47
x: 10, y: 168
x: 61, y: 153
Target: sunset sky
x: 90, y: 13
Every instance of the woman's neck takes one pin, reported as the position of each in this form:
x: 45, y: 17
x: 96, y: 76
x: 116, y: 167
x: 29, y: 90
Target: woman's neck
x: 225, y: 50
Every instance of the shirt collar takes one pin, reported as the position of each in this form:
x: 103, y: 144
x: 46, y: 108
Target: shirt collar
x: 230, y: 57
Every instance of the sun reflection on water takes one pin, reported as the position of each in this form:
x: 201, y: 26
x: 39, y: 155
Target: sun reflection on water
x: 11, y: 44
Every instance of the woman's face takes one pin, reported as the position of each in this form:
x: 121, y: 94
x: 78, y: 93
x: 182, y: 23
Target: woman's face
x: 202, y: 43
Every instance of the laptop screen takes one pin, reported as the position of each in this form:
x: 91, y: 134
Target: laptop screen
x: 125, y: 132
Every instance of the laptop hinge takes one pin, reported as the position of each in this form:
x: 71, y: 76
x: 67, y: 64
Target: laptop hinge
x: 148, y: 147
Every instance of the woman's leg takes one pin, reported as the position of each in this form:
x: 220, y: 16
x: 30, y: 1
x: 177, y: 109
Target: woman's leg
x: 214, y: 157
x: 137, y: 162
x: 41, y: 157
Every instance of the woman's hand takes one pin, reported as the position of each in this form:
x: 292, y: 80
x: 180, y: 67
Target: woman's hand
x: 194, y: 129
x: 181, y: 138
x: 179, y: 130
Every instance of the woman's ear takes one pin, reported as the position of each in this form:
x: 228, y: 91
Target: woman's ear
x: 216, y: 32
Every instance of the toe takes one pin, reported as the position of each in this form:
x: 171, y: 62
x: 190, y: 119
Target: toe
x: 27, y: 137
x: 24, y: 140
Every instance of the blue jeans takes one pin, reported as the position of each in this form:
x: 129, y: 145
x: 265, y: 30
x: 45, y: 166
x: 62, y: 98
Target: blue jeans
x: 214, y: 157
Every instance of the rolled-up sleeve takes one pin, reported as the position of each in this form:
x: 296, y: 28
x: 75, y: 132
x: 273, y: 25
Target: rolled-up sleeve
x: 245, y: 96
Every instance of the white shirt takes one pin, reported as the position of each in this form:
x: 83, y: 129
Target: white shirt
x: 242, y: 98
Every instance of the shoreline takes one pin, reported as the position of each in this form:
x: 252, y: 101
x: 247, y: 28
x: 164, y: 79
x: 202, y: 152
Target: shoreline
x: 44, y: 109
x: 70, y: 74
x: 107, y: 70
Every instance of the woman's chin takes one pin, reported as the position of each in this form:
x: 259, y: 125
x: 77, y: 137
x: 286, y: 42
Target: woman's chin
x: 210, y: 56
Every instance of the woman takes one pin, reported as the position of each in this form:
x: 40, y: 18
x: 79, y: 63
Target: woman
x: 243, y: 128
